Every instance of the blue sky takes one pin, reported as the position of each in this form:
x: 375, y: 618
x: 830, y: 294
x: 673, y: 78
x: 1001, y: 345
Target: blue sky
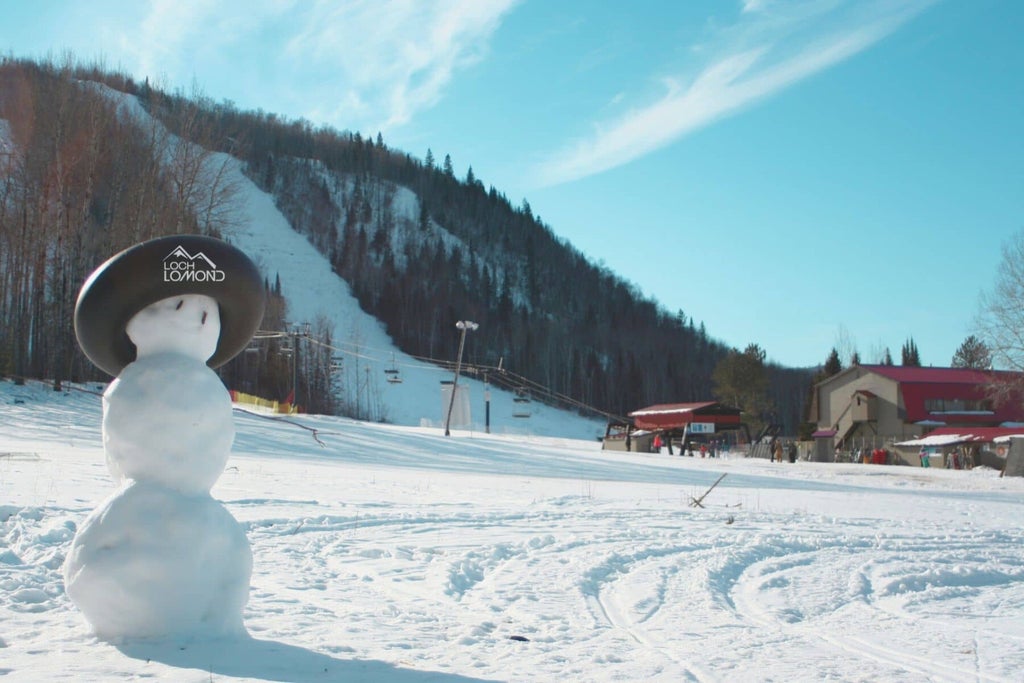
x: 801, y: 175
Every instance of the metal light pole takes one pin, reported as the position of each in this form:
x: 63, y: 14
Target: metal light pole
x: 487, y: 405
x: 463, y: 325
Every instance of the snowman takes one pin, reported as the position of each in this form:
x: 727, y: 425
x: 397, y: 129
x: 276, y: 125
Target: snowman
x: 160, y: 558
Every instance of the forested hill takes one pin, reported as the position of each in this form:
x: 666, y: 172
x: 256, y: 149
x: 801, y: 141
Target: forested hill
x: 419, y: 247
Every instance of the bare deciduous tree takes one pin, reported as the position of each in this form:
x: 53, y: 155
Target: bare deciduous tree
x: 1000, y: 322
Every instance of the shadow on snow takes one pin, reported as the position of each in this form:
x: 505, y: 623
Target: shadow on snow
x: 273, y: 661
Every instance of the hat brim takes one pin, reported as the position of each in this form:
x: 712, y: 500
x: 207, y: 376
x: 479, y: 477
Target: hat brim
x: 158, y: 269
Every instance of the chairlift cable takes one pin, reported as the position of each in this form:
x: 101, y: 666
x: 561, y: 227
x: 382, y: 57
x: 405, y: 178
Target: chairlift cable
x: 497, y: 375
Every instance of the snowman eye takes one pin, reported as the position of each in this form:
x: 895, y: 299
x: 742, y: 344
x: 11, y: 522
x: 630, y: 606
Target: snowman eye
x: 204, y: 318
x: 180, y: 304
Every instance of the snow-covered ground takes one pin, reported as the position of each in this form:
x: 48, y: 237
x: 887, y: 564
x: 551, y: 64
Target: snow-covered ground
x: 393, y: 554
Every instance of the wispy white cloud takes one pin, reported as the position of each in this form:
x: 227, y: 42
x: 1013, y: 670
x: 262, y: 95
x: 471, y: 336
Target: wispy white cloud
x: 360, y: 64
x: 172, y: 39
x: 389, y: 60
x: 154, y: 44
x: 770, y: 47
x: 753, y: 5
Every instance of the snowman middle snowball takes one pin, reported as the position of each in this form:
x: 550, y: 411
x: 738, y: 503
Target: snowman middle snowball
x: 167, y: 417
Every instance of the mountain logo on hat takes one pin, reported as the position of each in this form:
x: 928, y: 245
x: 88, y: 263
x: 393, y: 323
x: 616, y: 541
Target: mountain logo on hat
x: 180, y: 266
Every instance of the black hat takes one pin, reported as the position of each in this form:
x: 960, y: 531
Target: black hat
x: 155, y: 270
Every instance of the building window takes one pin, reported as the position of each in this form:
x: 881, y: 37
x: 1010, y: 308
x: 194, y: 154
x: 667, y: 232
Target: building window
x: 957, y: 405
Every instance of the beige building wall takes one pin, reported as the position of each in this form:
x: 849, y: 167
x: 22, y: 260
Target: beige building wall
x: 838, y: 409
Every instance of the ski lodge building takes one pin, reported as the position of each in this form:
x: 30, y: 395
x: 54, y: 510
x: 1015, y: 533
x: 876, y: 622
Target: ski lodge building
x: 674, y: 423
x: 882, y: 406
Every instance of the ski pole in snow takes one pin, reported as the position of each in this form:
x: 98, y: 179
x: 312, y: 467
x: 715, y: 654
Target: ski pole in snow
x: 697, y: 502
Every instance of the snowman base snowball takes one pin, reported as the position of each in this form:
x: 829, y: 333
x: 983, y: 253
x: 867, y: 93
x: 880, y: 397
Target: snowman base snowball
x: 187, y: 576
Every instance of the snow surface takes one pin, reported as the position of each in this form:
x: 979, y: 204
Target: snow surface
x: 393, y: 554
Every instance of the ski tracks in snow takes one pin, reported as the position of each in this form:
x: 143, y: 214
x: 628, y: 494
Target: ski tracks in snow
x: 516, y: 584
x: 876, y: 617
x: 573, y: 585
x: 557, y: 594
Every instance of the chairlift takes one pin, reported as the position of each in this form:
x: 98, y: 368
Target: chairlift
x: 392, y: 373
x: 336, y: 365
x: 522, y: 399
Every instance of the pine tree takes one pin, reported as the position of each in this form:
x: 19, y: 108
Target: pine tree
x: 424, y: 221
x: 833, y: 366
x: 973, y: 353
x: 527, y: 210
x: 910, y: 355
x: 740, y: 379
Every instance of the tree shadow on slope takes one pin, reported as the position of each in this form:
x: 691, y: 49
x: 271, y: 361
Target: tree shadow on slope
x: 267, y: 660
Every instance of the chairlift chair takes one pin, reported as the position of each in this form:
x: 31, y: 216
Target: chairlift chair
x: 392, y: 373
x: 522, y: 400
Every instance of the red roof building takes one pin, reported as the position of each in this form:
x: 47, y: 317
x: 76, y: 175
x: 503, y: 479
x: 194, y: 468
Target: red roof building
x: 673, y: 422
x: 877, y: 405
x: 678, y: 416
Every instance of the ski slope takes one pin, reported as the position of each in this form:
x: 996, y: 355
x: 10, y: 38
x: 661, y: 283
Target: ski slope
x: 313, y: 292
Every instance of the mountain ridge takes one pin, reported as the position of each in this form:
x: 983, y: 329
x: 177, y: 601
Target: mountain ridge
x: 418, y: 248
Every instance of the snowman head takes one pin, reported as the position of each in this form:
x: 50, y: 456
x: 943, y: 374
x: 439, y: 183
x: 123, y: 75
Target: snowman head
x: 188, y: 324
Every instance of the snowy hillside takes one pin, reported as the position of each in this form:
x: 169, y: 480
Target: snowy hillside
x: 391, y: 554
x: 314, y: 291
